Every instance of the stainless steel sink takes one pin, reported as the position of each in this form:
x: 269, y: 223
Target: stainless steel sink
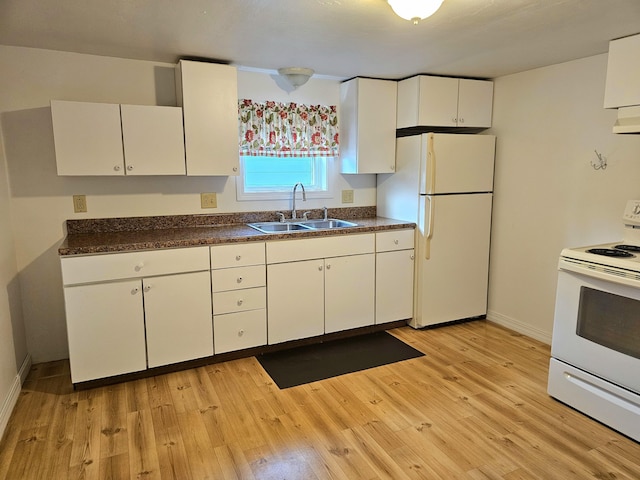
x: 285, y: 227
x: 329, y: 223
x: 278, y: 227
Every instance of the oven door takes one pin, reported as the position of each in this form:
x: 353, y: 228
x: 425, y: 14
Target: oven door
x: 597, y: 325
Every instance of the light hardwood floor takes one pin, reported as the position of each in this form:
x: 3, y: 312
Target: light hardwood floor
x: 475, y: 407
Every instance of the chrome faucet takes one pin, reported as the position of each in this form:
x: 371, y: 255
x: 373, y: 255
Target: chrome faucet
x: 294, y: 215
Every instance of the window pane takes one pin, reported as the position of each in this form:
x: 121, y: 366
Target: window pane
x: 277, y: 174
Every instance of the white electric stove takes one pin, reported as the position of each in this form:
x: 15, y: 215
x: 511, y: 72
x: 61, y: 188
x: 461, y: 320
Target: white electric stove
x: 595, y: 348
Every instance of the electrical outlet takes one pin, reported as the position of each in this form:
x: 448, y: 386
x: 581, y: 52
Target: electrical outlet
x: 79, y: 203
x: 347, y: 196
x: 208, y: 200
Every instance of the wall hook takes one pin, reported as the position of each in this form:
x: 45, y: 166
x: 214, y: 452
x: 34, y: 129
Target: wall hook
x: 602, y: 162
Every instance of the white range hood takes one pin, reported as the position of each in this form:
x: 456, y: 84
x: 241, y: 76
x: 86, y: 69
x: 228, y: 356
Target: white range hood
x: 628, y: 120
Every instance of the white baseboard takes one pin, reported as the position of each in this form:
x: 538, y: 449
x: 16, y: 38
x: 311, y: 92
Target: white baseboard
x: 519, y: 327
x: 11, y: 399
x: 24, y: 369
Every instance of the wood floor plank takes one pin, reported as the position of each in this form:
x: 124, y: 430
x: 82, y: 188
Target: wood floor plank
x: 475, y: 407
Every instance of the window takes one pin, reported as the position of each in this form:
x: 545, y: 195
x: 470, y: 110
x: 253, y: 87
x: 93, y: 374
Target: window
x: 283, y: 144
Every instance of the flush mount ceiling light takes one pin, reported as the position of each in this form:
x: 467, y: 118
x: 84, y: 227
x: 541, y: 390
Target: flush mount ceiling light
x: 296, y: 76
x: 415, y: 10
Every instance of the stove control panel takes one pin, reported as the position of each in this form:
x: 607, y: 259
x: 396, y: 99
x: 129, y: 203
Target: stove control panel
x: 631, y: 214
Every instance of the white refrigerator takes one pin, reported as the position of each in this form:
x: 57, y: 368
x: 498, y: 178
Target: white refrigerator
x: 444, y: 183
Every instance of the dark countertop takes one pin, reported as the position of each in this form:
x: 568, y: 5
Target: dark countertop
x: 84, y: 243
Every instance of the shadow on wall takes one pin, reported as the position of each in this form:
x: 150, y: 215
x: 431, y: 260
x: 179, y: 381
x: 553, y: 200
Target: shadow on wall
x: 43, y: 306
x: 17, y: 321
x: 31, y: 161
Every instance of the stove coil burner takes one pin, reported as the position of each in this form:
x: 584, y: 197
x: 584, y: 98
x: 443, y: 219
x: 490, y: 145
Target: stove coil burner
x: 628, y: 248
x: 610, y: 252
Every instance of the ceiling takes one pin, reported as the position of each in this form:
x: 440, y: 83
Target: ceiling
x: 336, y: 38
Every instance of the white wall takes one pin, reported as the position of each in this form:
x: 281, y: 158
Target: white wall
x: 548, y: 123
x: 41, y: 201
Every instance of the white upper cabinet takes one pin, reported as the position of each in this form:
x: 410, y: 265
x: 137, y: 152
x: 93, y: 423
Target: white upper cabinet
x: 367, y: 125
x: 428, y: 101
x: 88, y: 138
x: 623, y: 73
x: 153, y: 140
x: 208, y: 94
x: 112, y: 139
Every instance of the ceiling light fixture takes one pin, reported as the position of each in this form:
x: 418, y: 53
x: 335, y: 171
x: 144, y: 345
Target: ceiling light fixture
x: 296, y: 76
x: 415, y: 10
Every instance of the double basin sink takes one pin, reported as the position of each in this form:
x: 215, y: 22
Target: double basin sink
x: 304, y: 225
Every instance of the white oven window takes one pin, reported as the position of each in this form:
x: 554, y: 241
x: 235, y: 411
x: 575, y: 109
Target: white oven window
x: 610, y: 320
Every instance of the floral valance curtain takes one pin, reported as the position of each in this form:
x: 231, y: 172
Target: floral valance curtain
x: 287, y: 129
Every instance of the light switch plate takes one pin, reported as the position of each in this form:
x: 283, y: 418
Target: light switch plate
x: 208, y: 200
x: 347, y: 196
x: 79, y: 203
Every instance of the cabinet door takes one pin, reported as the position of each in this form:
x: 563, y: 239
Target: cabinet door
x: 368, y: 125
x: 623, y: 73
x: 349, y: 292
x: 475, y: 103
x: 178, y: 318
x: 208, y: 93
x: 105, y: 327
x: 295, y: 300
x: 438, y: 103
x: 394, y: 286
x: 153, y: 140
x: 88, y: 138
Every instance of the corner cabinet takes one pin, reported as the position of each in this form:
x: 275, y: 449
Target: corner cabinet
x: 319, y: 285
x: 208, y: 94
x: 367, y: 126
x: 114, y: 140
x: 429, y: 101
x: 130, y: 311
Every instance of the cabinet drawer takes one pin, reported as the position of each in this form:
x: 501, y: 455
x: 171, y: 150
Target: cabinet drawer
x: 239, y: 300
x: 236, y: 331
x: 237, y: 255
x: 395, y: 240
x: 323, y: 247
x: 236, y: 278
x: 98, y: 268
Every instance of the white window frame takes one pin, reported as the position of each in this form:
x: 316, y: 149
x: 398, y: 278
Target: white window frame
x: 311, y: 192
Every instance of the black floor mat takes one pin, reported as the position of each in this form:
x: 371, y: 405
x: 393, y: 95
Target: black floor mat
x: 310, y: 363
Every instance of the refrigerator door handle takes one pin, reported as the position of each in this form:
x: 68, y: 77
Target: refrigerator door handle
x: 429, y: 232
x: 431, y: 165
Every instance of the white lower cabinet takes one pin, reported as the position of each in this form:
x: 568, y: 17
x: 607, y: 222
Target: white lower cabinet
x: 105, y: 328
x: 295, y: 300
x: 349, y: 285
x: 129, y: 311
x: 239, y: 292
x: 395, y: 262
x: 331, y: 291
x: 178, y: 318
